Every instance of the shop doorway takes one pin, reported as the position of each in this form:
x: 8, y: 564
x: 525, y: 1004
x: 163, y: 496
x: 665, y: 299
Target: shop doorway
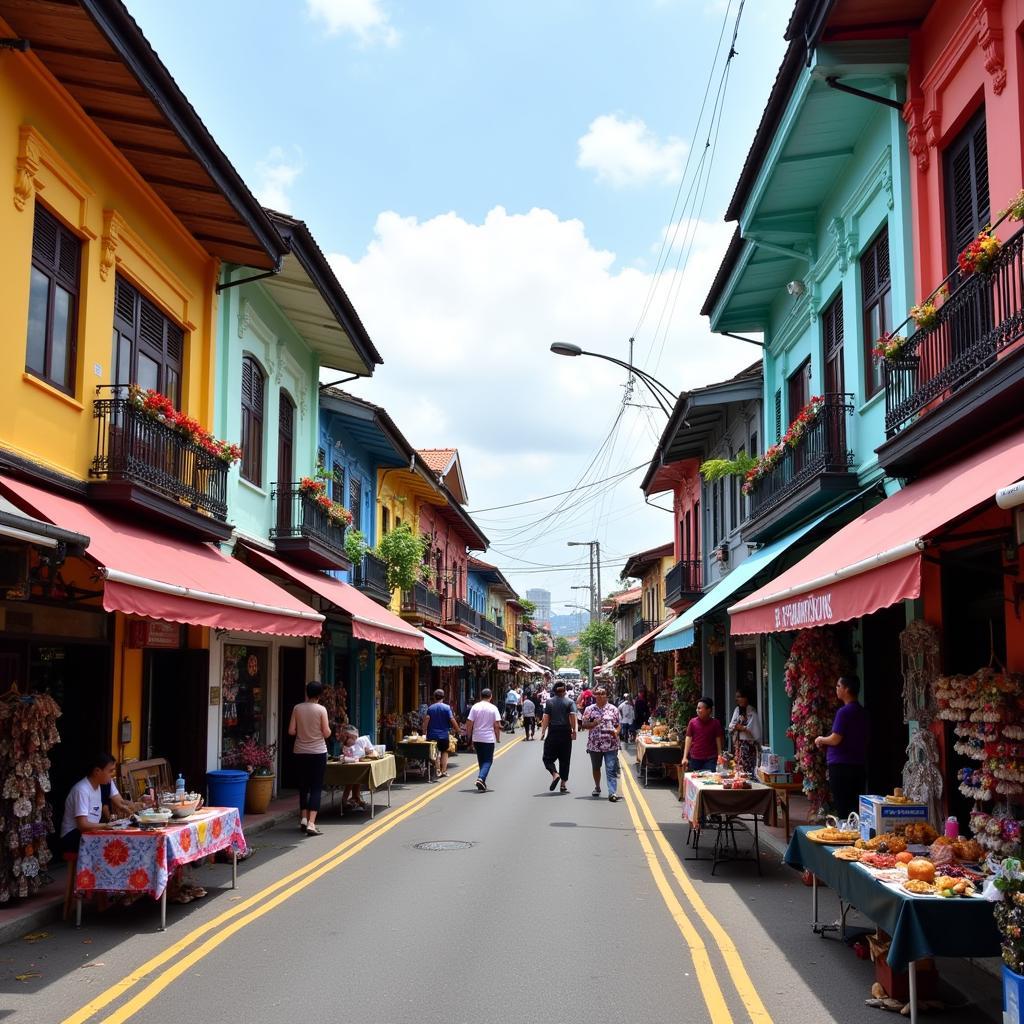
x: 292, y: 668
x: 882, y: 697
x: 175, y: 710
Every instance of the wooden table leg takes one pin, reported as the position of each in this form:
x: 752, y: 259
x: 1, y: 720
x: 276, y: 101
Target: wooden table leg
x: 785, y: 811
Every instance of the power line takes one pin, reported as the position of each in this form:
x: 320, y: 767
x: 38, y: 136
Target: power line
x: 558, y: 494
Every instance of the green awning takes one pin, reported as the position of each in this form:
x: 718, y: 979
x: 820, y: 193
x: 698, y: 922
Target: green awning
x: 441, y: 655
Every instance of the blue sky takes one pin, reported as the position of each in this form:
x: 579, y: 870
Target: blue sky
x: 488, y: 178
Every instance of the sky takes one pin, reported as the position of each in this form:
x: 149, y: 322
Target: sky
x: 488, y: 177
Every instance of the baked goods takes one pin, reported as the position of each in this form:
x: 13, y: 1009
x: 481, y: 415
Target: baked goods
x: 919, y: 887
x: 968, y: 849
x: 884, y: 842
x: 946, y: 886
x: 832, y: 835
x: 920, y: 833
x: 921, y: 870
x: 847, y: 853
x: 897, y: 797
x: 904, y: 857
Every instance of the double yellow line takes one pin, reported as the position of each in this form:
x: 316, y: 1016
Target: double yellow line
x: 234, y: 920
x: 711, y: 990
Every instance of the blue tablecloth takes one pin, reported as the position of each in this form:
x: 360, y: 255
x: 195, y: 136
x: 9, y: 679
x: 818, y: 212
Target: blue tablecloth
x: 919, y: 927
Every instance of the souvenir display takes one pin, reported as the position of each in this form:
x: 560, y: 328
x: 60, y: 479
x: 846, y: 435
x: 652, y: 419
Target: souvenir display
x: 28, y: 729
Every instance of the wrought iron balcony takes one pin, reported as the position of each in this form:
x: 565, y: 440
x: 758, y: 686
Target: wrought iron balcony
x: 683, y: 581
x: 422, y: 602
x: 458, y: 613
x: 371, y: 577
x: 642, y: 627
x: 148, y: 466
x: 962, y: 372
x: 492, y: 631
x: 807, y: 476
x: 304, y: 531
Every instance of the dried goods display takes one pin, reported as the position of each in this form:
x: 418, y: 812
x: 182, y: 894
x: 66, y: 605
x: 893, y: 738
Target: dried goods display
x: 28, y: 729
x: 919, y: 650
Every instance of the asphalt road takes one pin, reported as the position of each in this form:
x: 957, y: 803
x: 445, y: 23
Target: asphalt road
x: 562, y: 907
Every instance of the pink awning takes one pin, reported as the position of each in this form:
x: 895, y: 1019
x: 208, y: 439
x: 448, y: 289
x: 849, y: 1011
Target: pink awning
x: 875, y: 561
x: 470, y: 647
x: 370, y: 621
x: 164, y: 577
x: 630, y: 653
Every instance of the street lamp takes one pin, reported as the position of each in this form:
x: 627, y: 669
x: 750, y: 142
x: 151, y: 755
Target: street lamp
x: 663, y: 395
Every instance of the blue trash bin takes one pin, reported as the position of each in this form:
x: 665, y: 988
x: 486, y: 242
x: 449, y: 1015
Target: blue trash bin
x: 226, y: 788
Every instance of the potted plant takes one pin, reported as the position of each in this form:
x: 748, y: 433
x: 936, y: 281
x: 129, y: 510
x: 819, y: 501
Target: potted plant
x: 258, y: 760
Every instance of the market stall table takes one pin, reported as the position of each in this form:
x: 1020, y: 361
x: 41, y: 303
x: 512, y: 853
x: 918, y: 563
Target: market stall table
x: 659, y: 754
x: 374, y: 773
x: 707, y: 804
x: 920, y: 926
x: 417, y: 750
x: 140, y: 859
x: 782, y: 791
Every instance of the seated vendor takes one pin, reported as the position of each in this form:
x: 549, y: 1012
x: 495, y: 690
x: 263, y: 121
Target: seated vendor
x: 83, y: 809
x: 353, y: 748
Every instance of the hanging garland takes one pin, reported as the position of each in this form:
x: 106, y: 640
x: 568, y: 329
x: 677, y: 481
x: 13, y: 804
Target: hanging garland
x: 813, y: 666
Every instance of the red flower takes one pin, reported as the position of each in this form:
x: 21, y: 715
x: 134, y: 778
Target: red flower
x: 138, y: 880
x: 215, y: 828
x: 85, y: 880
x: 186, y: 840
x: 161, y: 856
x: 115, y: 853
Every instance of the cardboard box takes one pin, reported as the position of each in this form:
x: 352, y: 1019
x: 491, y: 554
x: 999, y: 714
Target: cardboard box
x: 878, y: 816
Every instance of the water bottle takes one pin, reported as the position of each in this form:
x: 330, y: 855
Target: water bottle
x: 952, y: 827
x: 179, y: 789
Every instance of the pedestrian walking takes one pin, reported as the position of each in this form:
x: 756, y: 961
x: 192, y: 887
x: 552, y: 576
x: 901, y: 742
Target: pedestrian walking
x: 483, y: 731
x: 311, y: 727
x: 847, y: 746
x: 601, y: 720
x: 704, y: 739
x: 626, y: 714
x: 558, y: 730
x: 511, y: 709
x: 529, y: 716
x: 437, y: 725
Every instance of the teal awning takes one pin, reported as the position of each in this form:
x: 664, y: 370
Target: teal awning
x: 679, y: 634
x: 441, y: 655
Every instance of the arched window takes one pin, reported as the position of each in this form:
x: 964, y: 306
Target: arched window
x: 252, y: 421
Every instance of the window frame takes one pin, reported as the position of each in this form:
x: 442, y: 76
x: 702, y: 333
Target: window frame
x: 56, y: 279
x: 132, y: 332
x: 251, y: 466
x: 874, y: 377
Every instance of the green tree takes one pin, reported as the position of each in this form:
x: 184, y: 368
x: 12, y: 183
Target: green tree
x: 402, y: 551
x: 562, y: 646
x: 529, y: 610
x: 598, y: 637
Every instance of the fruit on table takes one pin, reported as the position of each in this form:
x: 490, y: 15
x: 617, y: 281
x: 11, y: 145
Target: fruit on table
x: 921, y: 870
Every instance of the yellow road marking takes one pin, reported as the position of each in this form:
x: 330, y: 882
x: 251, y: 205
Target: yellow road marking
x: 733, y: 961
x: 709, y: 987
x: 312, y: 870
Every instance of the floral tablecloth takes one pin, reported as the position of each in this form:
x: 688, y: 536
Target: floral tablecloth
x: 140, y: 860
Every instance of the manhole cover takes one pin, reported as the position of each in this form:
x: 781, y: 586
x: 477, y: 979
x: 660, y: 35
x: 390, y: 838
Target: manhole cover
x: 440, y: 845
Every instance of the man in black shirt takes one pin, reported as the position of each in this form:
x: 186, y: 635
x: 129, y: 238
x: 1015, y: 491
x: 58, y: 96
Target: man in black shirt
x: 558, y: 730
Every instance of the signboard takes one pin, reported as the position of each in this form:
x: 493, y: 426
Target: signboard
x: 154, y: 633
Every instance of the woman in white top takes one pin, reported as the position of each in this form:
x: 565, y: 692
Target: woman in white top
x: 626, y: 717
x: 311, y: 728
x: 354, y: 748
x: 745, y: 730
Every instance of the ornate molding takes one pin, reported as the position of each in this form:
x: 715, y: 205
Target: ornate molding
x: 112, y: 227
x: 990, y: 38
x: 26, y: 167
x: 885, y: 180
x: 917, y: 143
x: 249, y: 321
x: 837, y: 229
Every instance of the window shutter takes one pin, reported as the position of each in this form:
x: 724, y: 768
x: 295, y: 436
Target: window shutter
x: 44, y: 238
x: 286, y: 417
x: 967, y: 196
x: 124, y: 303
x: 833, y: 323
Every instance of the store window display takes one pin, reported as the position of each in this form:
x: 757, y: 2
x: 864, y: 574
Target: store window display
x: 243, y: 703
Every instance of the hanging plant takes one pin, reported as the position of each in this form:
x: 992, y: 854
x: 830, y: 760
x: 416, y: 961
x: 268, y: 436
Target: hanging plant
x: 402, y: 551
x: 716, y: 469
x: 979, y: 254
x: 160, y: 408
x: 767, y: 461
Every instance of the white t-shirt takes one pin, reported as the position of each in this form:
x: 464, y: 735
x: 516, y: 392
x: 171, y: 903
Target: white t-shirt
x: 483, y: 716
x: 626, y: 712
x: 529, y: 710
x: 361, y: 747
x: 84, y: 801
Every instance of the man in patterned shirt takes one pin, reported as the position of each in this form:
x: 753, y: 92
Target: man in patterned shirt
x: 602, y: 723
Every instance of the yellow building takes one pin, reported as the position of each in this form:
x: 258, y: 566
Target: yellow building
x: 120, y: 211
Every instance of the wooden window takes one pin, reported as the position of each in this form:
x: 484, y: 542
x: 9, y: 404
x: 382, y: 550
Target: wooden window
x: 835, y: 373
x: 355, y: 500
x: 385, y: 521
x: 696, y: 531
x: 714, y: 514
x: 148, y: 346
x: 253, y: 388
x: 965, y: 166
x: 338, y: 484
x: 876, y: 301
x: 53, y: 302
x: 799, y: 384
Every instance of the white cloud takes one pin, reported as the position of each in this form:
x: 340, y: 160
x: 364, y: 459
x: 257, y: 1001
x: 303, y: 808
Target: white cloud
x: 276, y: 173
x: 629, y: 153
x: 464, y: 314
x: 365, y: 19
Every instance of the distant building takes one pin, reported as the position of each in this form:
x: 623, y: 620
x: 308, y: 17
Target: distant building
x: 542, y: 599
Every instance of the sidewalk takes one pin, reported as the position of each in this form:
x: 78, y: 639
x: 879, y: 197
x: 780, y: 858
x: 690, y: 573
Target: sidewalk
x: 23, y: 916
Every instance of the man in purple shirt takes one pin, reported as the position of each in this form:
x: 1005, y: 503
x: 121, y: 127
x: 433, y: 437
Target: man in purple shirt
x: 847, y: 746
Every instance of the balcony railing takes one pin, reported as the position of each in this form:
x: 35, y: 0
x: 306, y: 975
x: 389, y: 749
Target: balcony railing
x: 683, y: 580
x: 421, y: 600
x: 461, y: 613
x: 983, y: 316
x: 297, y: 517
x: 371, y: 577
x: 133, y: 448
x: 642, y: 627
x: 492, y: 631
x: 821, y: 449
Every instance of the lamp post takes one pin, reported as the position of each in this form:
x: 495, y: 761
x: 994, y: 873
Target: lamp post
x: 663, y: 395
